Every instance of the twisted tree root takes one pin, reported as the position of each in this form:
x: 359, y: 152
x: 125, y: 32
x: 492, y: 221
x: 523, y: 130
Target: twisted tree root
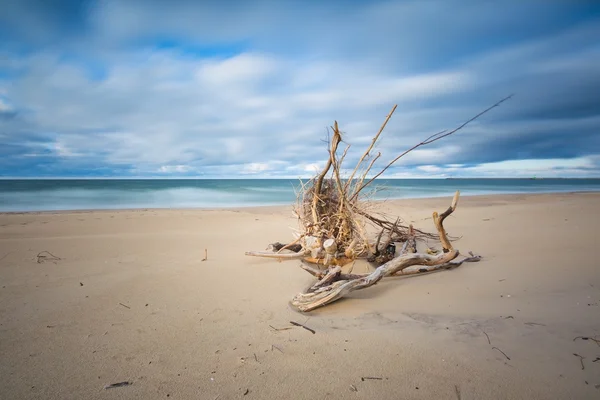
x: 324, y: 292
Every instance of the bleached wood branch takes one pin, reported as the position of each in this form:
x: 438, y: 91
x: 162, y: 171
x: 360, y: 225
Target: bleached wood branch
x: 324, y: 295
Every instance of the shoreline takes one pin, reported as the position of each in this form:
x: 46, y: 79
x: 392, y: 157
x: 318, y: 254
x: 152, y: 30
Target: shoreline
x: 281, y: 206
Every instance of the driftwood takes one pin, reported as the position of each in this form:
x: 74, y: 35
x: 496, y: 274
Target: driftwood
x: 335, y: 285
x: 338, y: 226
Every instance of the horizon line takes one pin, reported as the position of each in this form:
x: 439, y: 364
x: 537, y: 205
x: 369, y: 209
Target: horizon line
x: 270, y: 178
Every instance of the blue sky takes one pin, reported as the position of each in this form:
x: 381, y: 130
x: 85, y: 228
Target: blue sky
x: 131, y: 88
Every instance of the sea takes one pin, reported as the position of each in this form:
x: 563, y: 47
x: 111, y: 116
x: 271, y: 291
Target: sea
x: 21, y: 195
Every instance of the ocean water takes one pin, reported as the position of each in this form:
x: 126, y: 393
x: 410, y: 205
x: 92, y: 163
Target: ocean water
x: 72, y: 194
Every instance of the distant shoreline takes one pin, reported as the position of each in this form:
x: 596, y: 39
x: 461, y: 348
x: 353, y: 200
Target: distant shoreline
x: 521, y: 179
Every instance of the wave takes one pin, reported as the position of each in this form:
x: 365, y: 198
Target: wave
x: 32, y: 195
x: 90, y: 199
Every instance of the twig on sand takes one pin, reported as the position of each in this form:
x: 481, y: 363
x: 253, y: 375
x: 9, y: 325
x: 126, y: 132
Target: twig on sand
x: 534, y: 323
x: 6, y: 255
x: 275, y: 347
x: 457, y: 391
x: 280, y: 329
x: 256, y: 358
x: 125, y: 306
x: 364, y: 378
x: 303, y: 326
x: 507, y: 357
x: 588, y: 338
x: 117, y: 385
x: 580, y: 359
x: 353, y: 388
x: 205, y: 255
x: 41, y: 257
x: 486, y: 335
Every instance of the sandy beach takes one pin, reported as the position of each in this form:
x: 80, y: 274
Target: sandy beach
x: 129, y: 299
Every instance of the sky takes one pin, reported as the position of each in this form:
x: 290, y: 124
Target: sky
x: 248, y: 89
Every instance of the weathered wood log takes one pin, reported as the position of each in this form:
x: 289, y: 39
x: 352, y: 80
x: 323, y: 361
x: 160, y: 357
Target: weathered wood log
x: 279, y: 256
x: 431, y: 268
x: 349, y: 252
x: 317, y: 273
x: 438, y: 220
x: 339, y: 289
x: 341, y: 261
x: 330, y: 248
x: 323, y: 295
x: 330, y: 276
x: 278, y: 246
x: 413, y: 270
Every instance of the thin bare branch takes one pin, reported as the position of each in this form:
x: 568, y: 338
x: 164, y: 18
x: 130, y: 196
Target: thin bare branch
x: 373, y: 141
x: 319, y: 183
x: 430, y: 139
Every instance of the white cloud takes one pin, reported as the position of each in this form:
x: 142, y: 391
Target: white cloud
x: 529, y: 167
x: 548, y: 168
x: 191, y: 109
x: 173, y: 109
x: 173, y: 168
x: 240, y: 70
x: 430, y: 168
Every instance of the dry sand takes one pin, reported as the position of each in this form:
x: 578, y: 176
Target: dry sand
x: 130, y: 300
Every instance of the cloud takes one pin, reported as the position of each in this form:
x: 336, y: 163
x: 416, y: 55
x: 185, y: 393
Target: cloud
x: 228, y: 89
x: 173, y: 168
